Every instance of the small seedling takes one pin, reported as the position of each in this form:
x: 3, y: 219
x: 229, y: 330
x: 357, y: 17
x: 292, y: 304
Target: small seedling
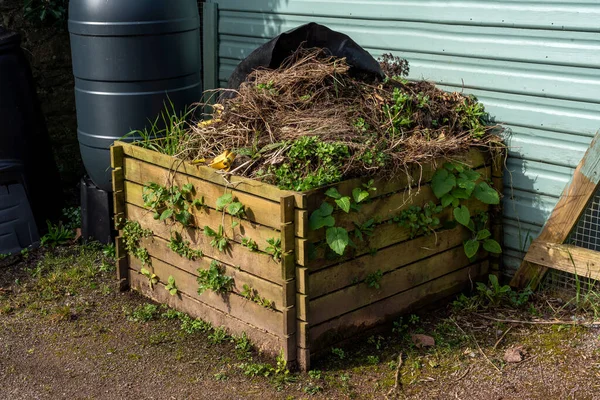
x: 314, y: 374
x: 251, y: 294
x: 373, y: 280
x: 218, y: 336
x: 213, y: 279
x: 219, y: 240
x: 182, y: 247
x: 132, y: 234
x: 338, y: 352
x: 250, y: 244
x: 109, y: 250
x: 57, y: 235
x: 171, y: 286
x: 152, y: 278
x: 274, y: 248
x: 143, y: 313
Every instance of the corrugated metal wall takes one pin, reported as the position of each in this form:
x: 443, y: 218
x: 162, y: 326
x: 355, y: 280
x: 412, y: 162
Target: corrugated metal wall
x: 534, y: 63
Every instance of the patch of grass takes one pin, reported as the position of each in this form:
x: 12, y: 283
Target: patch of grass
x: 58, y: 235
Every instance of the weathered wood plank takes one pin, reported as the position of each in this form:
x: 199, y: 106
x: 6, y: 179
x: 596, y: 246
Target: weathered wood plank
x: 122, y: 264
x: 116, y: 156
x: 576, y: 260
x: 566, y: 213
x: 316, y: 257
x: 257, y: 209
x: 213, y: 218
x: 263, y: 340
x: 303, y: 359
x: 302, y: 307
x: 390, y: 308
x: 251, y: 186
x: 356, y: 270
x: 256, y: 263
x: 380, y: 209
x: 230, y: 303
x: 360, y: 295
x: 302, y: 280
x: 159, y: 250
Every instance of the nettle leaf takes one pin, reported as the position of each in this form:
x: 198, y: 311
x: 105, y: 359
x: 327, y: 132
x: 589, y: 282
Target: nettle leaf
x: 321, y: 217
x: 344, y: 203
x: 224, y: 200
x: 471, y: 247
x: 462, y: 215
x: 168, y: 213
x: 492, y: 246
x: 359, y: 195
x: 483, y: 234
x: 337, y: 239
x: 235, y: 208
x: 447, y: 199
x: 486, y: 194
x: 442, y: 183
x: 460, y: 193
x: 333, y: 193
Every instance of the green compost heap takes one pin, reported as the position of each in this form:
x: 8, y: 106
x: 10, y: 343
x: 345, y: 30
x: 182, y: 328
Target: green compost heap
x: 309, y: 123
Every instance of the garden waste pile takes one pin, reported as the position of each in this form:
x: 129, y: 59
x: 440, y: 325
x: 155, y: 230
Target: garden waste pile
x: 311, y: 123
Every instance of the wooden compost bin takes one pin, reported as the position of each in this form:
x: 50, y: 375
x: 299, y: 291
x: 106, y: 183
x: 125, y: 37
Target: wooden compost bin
x: 318, y: 301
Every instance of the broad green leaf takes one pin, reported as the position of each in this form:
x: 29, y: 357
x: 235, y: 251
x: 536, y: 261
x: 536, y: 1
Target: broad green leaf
x: 171, y: 280
x: 471, y: 248
x: 209, y: 232
x: 360, y: 195
x: 462, y: 215
x: 187, y: 188
x: 344, y: 203
x: 492, y: 246
x: 455, y: 202
x: 337, y: 239
x: 486, y: 194
x: 443, y: 182
x: 325, y: 209
x: 145, y: 272
x: 447, y: 199
x: 183, y: 217
x: 333, y: 193
x: 173, y: 291
x: 234, y: 224
x: 224, y: 200
x: 235, y: 208
x: 317, y: 220
x: 472, y: 175
x: 460, y: 193
x: 168, y: 213
x: 483, y: 234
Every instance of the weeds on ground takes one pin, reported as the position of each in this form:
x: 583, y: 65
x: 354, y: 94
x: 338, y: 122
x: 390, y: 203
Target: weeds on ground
x: 58, y: 235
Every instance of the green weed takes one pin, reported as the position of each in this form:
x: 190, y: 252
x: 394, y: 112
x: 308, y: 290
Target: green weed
x: 213, y: 279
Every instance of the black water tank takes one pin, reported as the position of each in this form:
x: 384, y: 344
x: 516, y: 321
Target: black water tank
x: 130, y: 57
x: 24, y: 138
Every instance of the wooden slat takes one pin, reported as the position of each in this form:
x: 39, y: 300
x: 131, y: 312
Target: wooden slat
x: 159, y: 249
x: 360, y: 295
x: 256, y: 263
x: 303, y: 359
x: 566, y: 213
x: 418, y: 174
x: 384, y: 235
x: 302, y: 280
x: 341, y: 275
x: 122, y: 264
x: 246, y: 185
x: 257, y: 209
x: 302, y: 331
x: 575, y: 260
x: 264, y: 341
x: 230, y: 303
x: 116, y: 156
x: 381, y: 209
x: 302, y: 307
x: 213, y: 218
x: 390, y: 308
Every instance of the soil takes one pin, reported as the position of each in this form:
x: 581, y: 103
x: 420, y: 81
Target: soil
x: 64, y: 333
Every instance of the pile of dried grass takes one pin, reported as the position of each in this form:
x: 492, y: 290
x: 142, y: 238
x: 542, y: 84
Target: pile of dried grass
x: 360, y: 128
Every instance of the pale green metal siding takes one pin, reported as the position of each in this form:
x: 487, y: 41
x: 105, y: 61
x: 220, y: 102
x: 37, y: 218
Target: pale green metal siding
x: 535, y: 64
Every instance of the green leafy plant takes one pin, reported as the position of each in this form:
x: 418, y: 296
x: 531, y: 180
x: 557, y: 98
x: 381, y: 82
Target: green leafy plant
x: 218, y: 335
x: 420, y: 220
x: 480, y: 235
x: 57, y: 235
x: 182, y: 247
x: 250, y: 244
x: 72, y: 217
x: 373, y: 280
x: 219, y: 239
x: 171, y: 287
x: 243, y: 346
x: 213, y: 279
x: 191, y: 325
x: 340, y: 353
x: 172, y: 202
x: 152, y: 277
x: 496, y: 294
x: 132, y: 233
x: 315, y: 374
x: 227, y: 203
x: 274, y: 248
x: 109, y: 250
x: 252, y: 294
x: 46, y: 10
x: 365, y: 229
x: 473, y: 116
x: 143, y: 313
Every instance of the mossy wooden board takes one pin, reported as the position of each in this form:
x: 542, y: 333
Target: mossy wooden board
x: 318, y: 299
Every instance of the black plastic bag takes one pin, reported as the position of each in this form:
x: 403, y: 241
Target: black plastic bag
x: 274, y: 52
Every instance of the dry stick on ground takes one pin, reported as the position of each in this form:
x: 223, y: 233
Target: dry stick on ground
x: 477, y: 344
x: 558, y: 322
x: 502, y: 337
x: 398, y: 382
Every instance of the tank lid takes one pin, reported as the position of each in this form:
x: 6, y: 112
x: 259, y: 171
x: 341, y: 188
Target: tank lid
x: 8, y: 38
x: 132, y: 17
